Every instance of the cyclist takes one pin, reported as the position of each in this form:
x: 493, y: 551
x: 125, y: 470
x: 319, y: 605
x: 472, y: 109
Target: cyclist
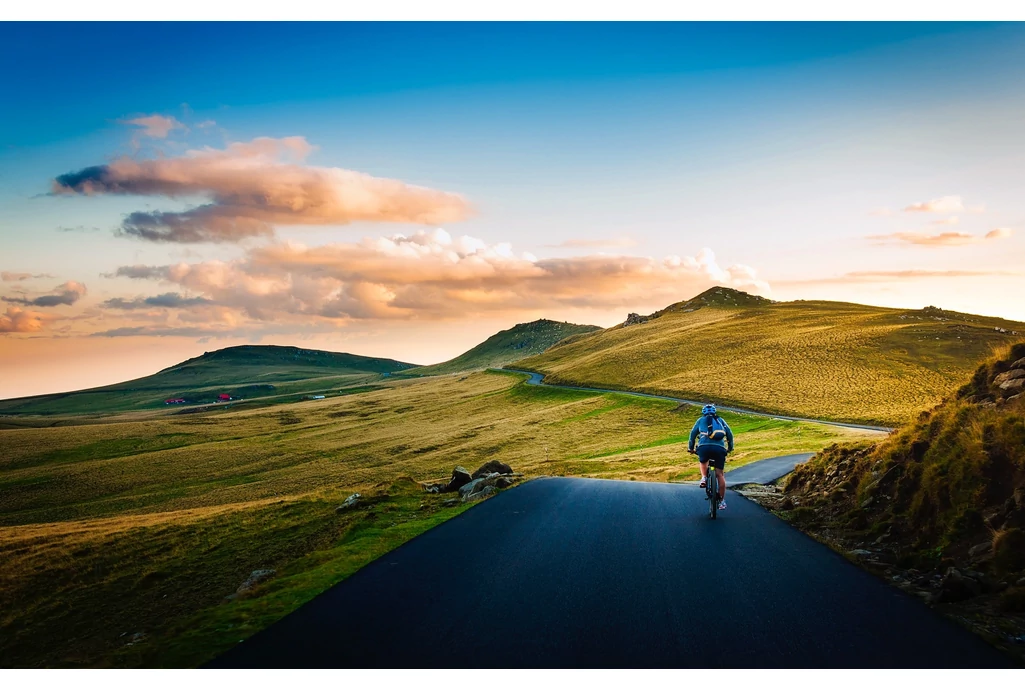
x: 714, y: 440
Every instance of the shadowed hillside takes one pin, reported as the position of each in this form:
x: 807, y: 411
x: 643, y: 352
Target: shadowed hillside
x: 522, y: 340
x: 826, y: 360
x: 939, y: 507
x: 246, y: 371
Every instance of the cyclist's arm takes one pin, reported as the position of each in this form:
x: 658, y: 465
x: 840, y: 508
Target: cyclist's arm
x: 729, y: 436
x: 693, y: 436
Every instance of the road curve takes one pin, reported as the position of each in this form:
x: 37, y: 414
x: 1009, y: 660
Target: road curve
x: 536, y: 379
x: 765, y: 471
x: 563, y: 572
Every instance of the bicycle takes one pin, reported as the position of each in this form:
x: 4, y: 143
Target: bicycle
x: 711, y: 490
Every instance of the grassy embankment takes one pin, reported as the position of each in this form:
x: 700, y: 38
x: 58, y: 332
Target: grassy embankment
x: 938, y: 508
x: 146, y: 526
x: 822, y: 360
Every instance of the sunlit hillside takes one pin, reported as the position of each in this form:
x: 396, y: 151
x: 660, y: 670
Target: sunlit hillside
x: 522, y: 340
x: 827, y: 360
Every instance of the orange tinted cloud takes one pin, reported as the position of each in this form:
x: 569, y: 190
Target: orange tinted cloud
x: 17, y: 320
x: 432, y: 275
x: 894, y: 276
x: 943, y: 239
x: 944, y: 204
x: 254, y: 186
x: 156, y: 126
x: 63, y: 295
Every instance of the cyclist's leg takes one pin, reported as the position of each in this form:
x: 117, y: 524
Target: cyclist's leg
x: 719, y: 464
x: 703, y: 464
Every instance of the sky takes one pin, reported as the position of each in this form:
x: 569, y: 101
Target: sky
x: 406, y: 190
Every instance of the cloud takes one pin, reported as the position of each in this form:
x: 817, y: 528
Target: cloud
x: 952, y: 220
x: 206, y: 124
x: 892, y: 276
x: 77, y: 228
x: 432, y: 275
x: 154, y: 331
x: 17, y: 320
x: 944, y: 204
x: 156, y: 126
x: 943, y: 239
x: 254, y: 186
x: 17, y: 277
x: 596, y: 243
x: 64, y: 295
x: 138, y: 272
x: 170, y: 300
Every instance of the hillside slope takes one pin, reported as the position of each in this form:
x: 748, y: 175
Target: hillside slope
x: 244, y: 371
x: 522, y: 340
x: 825, y: 360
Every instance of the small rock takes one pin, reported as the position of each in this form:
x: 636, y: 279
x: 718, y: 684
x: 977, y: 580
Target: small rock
x: 860, y: 553
x: 255, y: 578
x: 980, y: 550
x: 491, y: 466
x: 1013, y: 385
x: 956, y: 587
x: 134, y: 639
x: 460, y: 478
x: 1009, y: 376
x: 503, y: 482
x: 432, y: 488
x: 480, y: 495
x: 469, y: 488
x: 348, y: 503
x: 449, y: 502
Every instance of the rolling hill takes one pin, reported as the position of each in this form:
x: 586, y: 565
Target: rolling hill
x: 246, y: 371
x: 826, y: 360
x: 522, y: 340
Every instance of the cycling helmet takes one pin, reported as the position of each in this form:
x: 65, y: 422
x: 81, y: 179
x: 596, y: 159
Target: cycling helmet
x: 708, y: 409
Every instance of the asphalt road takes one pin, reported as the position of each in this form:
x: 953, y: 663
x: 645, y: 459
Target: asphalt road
x: 536, y: 379
x: 589, y: 573
x: 765, y: 471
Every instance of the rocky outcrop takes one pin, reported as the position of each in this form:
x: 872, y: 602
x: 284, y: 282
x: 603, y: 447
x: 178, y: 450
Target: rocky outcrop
x: 634, y: 319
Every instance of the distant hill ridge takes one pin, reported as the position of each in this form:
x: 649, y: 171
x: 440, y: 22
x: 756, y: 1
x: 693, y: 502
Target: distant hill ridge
x: 247, y: 371
x: 522, y: 340
x: 278, y: 354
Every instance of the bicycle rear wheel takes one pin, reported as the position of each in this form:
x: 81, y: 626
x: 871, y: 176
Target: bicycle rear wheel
x: 713, y: 493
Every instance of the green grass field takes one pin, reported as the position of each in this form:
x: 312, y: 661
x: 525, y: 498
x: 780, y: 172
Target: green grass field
x: 823, y: 360
x: 120, y: 540
x: 522, y: 340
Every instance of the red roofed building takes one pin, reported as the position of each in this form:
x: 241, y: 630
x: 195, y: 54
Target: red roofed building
x: 224, y: 396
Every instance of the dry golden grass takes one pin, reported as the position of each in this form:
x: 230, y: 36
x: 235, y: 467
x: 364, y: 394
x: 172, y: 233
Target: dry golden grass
x: 145, y: 526
x: 823, y: 360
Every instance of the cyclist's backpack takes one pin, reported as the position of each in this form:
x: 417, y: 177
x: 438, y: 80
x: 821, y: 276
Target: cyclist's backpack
x: 713, y: 433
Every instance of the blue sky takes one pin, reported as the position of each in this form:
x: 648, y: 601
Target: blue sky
x: 792, y: 150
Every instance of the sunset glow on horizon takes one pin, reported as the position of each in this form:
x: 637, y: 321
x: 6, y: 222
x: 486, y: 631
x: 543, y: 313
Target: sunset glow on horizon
x: 405, y: 190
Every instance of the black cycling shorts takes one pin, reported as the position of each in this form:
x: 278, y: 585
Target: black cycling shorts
x: 716, y: 455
